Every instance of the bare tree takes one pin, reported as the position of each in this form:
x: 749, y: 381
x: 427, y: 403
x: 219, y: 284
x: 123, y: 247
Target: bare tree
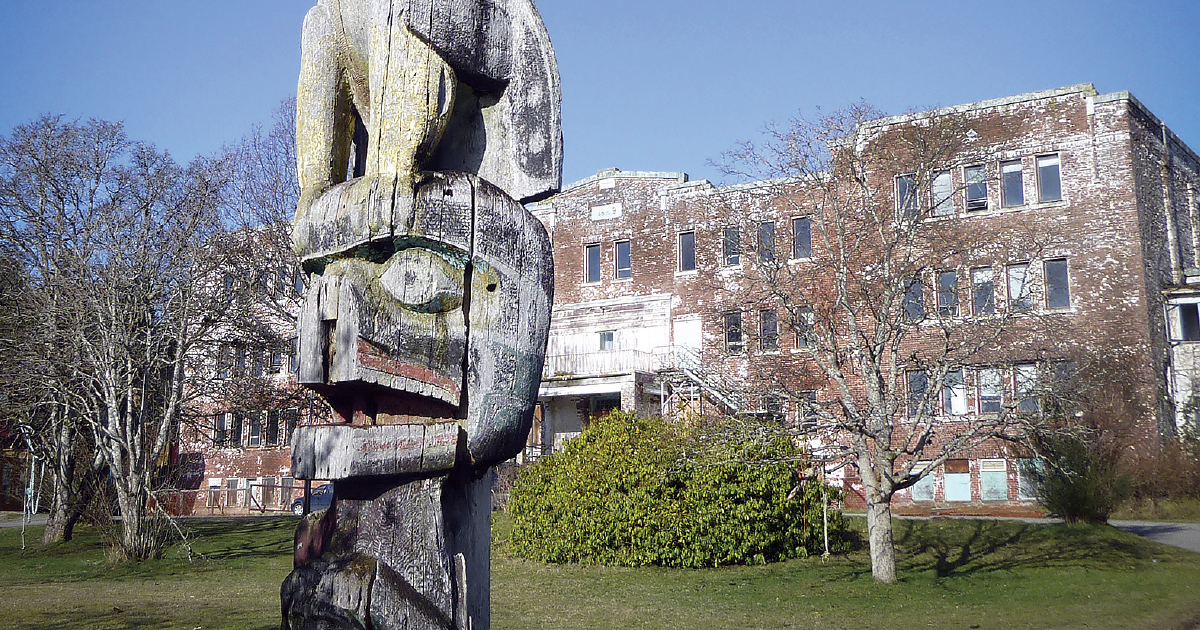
x: 875, y: 299
x: 114, y: 238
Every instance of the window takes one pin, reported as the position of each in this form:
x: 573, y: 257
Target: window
x: 943, y: 194
x: 766, y: 242
x: 1025, y: 380
x: 731, y: 245
x: 1019, y: 298
x: 1049, y: 183
x: 592, y: 263
x: 624, y: 263
x: 954, y: 394
x: 806, y: 411
x: 235, y: 430
x: 294, y: 356
x: 272, y: 428
x: 220, y: 434
x: 802, y: 237
x: 606, y: 340
x: 947, y: 293
x: 1184, y: 321
x: 290, y: 416
x: 804, y: 326
x: 906, y: 197
x: 257, y: 361
x: 914, y: 307
x: 224, y: 361
x: 768, y: 333
x: 983, y: 291
x: 733, y: 333
x: 239, y: 361
x: 918, y: 385
x: 276, y: 362
x: 1028, y: 471
x: 1012, y: 186
x: 255, y: 437
x: 993, y: 480
x: 231, y: 488
x: 923, y: 490
x: 957, y: 479
x: 773, y: 406
x: 1058, y: 288
x: 988, y: 390
x: 977, y: 193
x: 687, y: 251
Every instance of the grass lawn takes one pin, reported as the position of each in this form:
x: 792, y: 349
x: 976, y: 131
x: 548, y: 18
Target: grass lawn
x: 955, y: 574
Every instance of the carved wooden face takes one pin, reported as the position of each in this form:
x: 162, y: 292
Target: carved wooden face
x: 448, y: 319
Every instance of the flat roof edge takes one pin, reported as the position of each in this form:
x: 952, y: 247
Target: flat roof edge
x: 607, y: 173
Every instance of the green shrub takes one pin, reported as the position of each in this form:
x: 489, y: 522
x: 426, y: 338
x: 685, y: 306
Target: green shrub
x: 1079, y: 480
x: 620, y: 494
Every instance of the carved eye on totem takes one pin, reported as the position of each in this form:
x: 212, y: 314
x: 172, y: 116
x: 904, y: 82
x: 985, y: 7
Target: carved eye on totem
x: 424, y: 280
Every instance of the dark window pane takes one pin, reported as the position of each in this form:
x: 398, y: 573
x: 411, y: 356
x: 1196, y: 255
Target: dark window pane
x: 1058, y: 290
x: 914, y: 309
x: 766, y: 242
x: 1189, y: 315
x: 802, y: 238
x: 1013, y: 190
x: 906, y: 197
x: 918, y: 383
x: 948, y: 293
x: 1049, y: 184
x: 624, y: 266
x: 687, y: 251
x: 732, y: 246
x: 733, y: 332
x: 769, y: 330
x: 593, y: 263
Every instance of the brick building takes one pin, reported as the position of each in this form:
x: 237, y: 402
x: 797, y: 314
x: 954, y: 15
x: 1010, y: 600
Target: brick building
x: 643, y: 318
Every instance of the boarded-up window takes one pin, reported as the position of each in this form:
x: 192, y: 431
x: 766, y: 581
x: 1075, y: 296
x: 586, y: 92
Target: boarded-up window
x: 993, y: 480
x: 923, y: 490
x: 958, y: 480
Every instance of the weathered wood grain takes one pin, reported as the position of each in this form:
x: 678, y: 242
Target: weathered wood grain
x: 333, y: 452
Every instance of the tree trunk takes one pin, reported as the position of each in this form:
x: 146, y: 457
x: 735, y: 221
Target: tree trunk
x: 60, y: 524
x: 879, y: 532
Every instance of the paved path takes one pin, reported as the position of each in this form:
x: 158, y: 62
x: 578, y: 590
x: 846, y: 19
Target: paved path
x: 1185, y: 535
x: 1182, y: 535
x: 13, y: 519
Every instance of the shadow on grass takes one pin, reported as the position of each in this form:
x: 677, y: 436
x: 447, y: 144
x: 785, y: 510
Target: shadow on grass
x: 243, y: 538
x: 965, y: 547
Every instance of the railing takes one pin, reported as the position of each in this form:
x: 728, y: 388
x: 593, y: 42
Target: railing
x: 606, y: 362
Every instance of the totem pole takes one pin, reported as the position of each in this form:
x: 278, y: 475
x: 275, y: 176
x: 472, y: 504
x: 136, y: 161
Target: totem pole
x: 422, y: 126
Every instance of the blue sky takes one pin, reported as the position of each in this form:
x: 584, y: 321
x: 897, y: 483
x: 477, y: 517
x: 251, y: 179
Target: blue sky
x: 647, y: 85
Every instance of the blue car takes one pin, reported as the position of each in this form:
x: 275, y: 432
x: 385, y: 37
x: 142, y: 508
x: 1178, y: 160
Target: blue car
x: 319, y: 500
